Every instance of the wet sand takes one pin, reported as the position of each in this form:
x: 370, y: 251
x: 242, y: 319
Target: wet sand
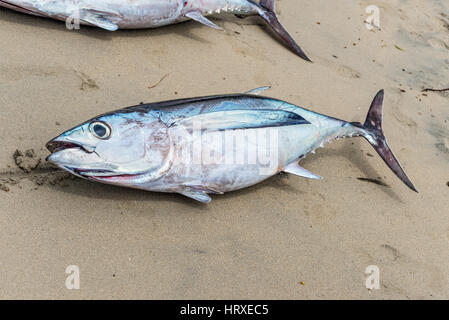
x: 287, y: 238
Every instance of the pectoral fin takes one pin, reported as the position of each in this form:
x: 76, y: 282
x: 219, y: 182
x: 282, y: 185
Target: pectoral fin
x: 197, y: 16
x: 102, y: 19
x: 296, y: 169
x: 243, y: 119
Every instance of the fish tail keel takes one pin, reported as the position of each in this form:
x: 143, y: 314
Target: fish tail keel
x: 265, y: 8
x: 372, y: 131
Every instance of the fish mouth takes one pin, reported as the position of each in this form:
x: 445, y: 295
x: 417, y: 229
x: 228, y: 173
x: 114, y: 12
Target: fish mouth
x: 100, y: 175
x: 56, y: 146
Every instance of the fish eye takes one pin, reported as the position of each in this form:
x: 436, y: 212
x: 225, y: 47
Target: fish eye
x: 100, y: 130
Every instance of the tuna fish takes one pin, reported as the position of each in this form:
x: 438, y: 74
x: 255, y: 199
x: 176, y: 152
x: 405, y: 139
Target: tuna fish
x: 208, y: 145
x: 137, y: 14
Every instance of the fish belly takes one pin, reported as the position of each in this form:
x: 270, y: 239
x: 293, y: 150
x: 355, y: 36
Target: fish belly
x: 139, y: 14
x: 156, y: 13
x: 129, y: 14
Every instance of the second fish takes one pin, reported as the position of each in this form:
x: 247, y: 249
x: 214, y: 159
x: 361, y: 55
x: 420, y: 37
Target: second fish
x: 137, y: 14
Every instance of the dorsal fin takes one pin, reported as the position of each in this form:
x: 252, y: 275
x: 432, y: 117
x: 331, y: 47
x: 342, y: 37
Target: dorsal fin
x: 258, y: 90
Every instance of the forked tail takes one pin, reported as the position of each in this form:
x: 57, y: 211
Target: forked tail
x: 265, y: 8
x: 373, y: 132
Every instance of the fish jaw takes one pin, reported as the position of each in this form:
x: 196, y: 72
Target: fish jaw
x: 63, y: 153
x: 89, y: 168
x: 69, y: 152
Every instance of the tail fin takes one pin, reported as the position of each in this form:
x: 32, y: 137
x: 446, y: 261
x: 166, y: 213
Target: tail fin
x: 374, y: 133
x: 266, y: 10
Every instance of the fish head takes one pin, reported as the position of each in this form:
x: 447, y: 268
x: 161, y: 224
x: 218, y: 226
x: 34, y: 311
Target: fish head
x: 117, y: 148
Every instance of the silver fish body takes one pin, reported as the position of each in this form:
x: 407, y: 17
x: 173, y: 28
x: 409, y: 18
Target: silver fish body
x: 207, y: 145
x: 138, y: 14
x: 129, y: 14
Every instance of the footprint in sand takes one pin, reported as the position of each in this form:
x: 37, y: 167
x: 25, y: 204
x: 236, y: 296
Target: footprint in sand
x: 17, y: 73
x: 437, y: 43
x: 344, y: 71
x: 86, y: 82
x: 26, y: 160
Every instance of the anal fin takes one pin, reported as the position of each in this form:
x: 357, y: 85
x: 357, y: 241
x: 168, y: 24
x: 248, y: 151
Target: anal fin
x: 296, y: 169
x: 197, y: 16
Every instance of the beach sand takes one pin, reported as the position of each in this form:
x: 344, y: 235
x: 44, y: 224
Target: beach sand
x: 286, y: 238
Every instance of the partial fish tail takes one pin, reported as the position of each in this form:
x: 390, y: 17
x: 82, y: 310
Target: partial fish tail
x: 372, y: 131
x: 266, y: 10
